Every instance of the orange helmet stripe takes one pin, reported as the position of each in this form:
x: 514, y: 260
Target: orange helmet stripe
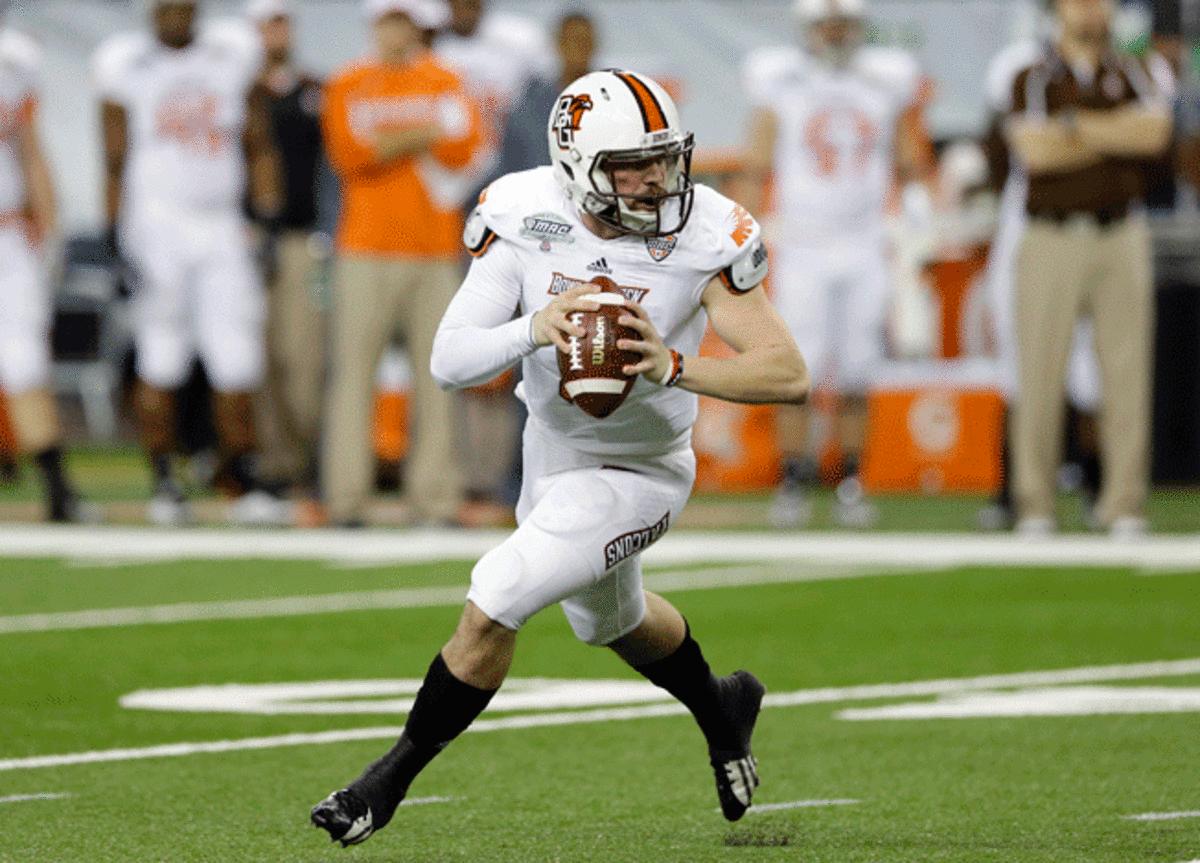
x: 652, y: 113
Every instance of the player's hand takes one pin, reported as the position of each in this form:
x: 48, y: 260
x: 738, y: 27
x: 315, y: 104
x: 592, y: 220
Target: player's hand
x: 656, y: 356
x: 552, y: 325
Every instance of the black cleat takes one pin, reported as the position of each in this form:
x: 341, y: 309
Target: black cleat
x: 736, y: 770
x: 345, y: 816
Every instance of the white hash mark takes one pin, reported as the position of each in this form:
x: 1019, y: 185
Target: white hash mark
x: 21, y: 798
x: 1164, y: 816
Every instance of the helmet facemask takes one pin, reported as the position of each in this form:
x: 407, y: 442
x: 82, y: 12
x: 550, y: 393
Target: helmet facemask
x: 654, y: 215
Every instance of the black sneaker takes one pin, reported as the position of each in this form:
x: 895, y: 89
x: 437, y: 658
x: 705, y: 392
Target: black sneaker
x: 345, y: 816
x: 736, y: 770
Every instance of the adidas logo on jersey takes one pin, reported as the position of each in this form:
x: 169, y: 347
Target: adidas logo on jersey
x: 599, y: 266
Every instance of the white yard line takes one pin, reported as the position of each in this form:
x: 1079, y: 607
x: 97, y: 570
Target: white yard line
x: 21, y: 798
x: 1085, y: 674
x: 1162, y: 816
x: 283, y: 606
x: 383, y: 547
x: 424, y: 801
x: 412, y: 597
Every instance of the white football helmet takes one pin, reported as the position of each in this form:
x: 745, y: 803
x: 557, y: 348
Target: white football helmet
x: 612, y: 117
x: 811, y: 13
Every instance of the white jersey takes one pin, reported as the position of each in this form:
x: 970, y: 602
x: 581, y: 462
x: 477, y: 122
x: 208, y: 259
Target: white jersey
x: 835, y: 146
x: 20, y: 59
x: 186, y: 111
x: 541, y: 249
x: 497, y: 61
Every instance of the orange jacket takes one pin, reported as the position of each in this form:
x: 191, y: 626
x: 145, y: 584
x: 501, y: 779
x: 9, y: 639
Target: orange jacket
x: 388, y: 207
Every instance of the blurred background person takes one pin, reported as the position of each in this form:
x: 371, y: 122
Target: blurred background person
x: 184, y: 130
x: 499, y: 55
x: 395, y: 123
x: 1083, y: 373
x: 294, y: 257
x: 29, y: 220
x: 523, y: 145
x: 1084, y: 120
x: 832, y: 119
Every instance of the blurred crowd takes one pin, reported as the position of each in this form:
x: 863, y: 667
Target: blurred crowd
x: 221, y: 151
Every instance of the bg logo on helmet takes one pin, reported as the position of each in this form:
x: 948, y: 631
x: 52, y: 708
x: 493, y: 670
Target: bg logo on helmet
x: 568, y: 115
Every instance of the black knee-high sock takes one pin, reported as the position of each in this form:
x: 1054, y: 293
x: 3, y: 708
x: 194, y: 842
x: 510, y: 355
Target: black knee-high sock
x: 686, y: 675
x: 444, y: 707
x: 50, y: 463
x: 1004, y: 493
x: 799, y: 473
x: 160, y: 468
x: 1092, y: 474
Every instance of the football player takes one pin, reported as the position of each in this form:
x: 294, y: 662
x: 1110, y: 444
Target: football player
x: 28, y: 219
x: 833, y: 122
x: 618, y: 200
x: 185, y: 128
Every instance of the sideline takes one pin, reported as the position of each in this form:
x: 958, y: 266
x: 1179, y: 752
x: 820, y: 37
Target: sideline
x: 109, y: 545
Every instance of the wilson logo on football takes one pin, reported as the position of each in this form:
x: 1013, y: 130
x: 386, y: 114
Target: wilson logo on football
x: 569, y: 115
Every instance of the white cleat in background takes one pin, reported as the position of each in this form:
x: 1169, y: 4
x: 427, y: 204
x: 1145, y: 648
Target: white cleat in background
x: 791, y: 508
x: 261, y: 509
x: 168, y: 509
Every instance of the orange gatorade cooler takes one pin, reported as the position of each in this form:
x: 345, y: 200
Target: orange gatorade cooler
x: 934, y: 426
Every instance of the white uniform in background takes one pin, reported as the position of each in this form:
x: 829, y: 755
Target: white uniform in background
x: 24, y: 298
x: 1083, y: 369
x: 181, y: 212
x: 595, y: 492
x: 833, y: 163
x: 496, y: 62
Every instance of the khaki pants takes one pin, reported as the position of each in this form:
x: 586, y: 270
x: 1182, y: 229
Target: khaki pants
x: 373, y: 298
x: 1065, y: 271
x: 289, y: 405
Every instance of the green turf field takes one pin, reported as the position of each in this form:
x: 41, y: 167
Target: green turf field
x: 605, y: 786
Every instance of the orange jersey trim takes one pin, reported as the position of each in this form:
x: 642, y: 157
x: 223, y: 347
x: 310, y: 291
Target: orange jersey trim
x: 480, y: 250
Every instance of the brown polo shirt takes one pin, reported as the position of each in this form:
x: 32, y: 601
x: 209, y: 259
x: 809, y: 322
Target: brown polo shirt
x: 1050, y: 88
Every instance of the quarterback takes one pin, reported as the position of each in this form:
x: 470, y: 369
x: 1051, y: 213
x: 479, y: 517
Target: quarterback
x: 616, y: 208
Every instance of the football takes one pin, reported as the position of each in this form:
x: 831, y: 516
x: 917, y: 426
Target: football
x: 590, y: 375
